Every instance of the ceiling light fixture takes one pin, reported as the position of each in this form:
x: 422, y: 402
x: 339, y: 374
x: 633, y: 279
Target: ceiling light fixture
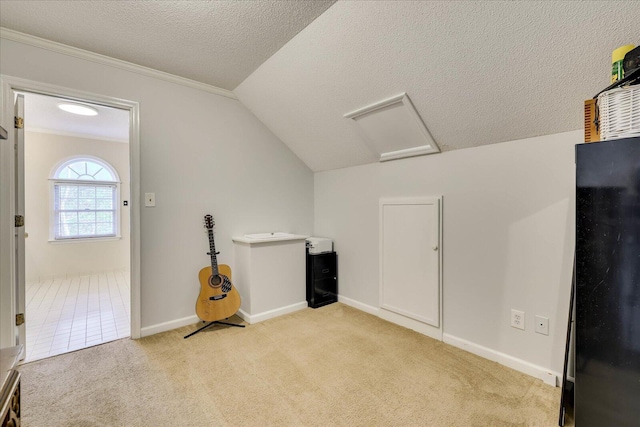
x: 83, y: 110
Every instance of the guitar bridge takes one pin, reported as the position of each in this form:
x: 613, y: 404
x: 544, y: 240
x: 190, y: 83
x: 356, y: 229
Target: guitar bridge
x: 218, y: 297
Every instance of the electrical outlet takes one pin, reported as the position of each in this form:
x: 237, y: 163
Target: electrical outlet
x: 517, y: 319
x: 542, y: 325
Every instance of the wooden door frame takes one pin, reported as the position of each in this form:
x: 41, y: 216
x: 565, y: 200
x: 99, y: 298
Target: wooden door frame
x: 9, y: 85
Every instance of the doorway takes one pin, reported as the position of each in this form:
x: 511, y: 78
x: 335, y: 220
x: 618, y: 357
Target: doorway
x: 12, y: 283
x: 76, y: 189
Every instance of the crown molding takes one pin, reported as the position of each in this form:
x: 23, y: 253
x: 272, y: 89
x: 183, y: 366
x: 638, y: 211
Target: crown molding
x: 64, y: 49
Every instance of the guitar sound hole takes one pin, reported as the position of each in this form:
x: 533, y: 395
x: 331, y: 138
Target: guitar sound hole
x: 215, y: 281
x: 220, y: 279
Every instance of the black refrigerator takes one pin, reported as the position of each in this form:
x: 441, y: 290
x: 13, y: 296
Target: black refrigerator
x: 607, y: 322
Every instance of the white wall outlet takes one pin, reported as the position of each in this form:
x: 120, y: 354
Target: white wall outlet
x: 542, y: 325
x: 517, y: 319
x: 149, y: 199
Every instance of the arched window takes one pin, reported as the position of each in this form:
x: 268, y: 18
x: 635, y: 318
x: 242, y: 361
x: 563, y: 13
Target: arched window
x: 85, y: 200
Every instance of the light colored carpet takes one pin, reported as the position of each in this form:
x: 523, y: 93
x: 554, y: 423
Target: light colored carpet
x: 333, y: 366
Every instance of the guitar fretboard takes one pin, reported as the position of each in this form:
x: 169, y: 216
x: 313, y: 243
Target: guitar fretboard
x: 212, y: 251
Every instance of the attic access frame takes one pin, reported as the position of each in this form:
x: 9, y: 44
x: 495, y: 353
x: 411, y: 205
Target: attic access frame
x: 393, y: 129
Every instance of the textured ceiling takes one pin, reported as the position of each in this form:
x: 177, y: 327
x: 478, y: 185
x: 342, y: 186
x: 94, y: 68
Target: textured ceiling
x: 214, y: 42
x: 477, y: 72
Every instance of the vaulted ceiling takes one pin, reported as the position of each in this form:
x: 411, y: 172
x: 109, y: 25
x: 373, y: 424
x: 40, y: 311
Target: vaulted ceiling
x: 214, y: 42
x: 477, y: 72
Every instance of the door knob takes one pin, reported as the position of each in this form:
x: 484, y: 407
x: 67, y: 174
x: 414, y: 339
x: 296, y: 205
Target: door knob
x: 435, y: 248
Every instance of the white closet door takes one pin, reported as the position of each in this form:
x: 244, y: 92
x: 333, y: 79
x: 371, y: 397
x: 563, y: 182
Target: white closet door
x: 410, y: 258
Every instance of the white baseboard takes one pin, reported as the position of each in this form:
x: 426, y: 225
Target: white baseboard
x: 360, y: 306
x: 190, y: 320
x: 546, y: 375
x: 398, y: 319
x: 407, y: 322
x: 261, y: 317
x: 167, y: 326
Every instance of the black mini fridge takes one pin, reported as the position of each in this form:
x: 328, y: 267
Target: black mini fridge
x: 607, y: 323
x: 322, y: 279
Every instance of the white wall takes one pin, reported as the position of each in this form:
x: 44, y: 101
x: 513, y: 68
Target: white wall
x: 43, y: 152
x: 508, y: 232
x: 200, y: 153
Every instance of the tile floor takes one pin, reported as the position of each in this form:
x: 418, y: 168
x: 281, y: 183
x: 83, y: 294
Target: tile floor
x: 64, y: 315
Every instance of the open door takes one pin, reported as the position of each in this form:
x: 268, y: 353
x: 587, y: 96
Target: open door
x: 19, y: 273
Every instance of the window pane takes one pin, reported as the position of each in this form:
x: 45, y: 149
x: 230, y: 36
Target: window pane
x: 104, y: 192
x: 68, y: 217
x: 68, y: 190
x: 86, y: 191
x: 86, y: 217
x: 105, y: 228
x: 104, y: 216
x: 104, y: 204
x: 68, y: 204
x: 86, y: 169
x: 103, y: 175
x: 87, y: 229
x: 76, y: 169
x: 92, y: 168
x: 87, y: 204
x: 68, y: 230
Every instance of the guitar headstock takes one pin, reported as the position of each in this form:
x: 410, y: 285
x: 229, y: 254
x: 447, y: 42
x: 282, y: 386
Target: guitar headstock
x: 209, y: 222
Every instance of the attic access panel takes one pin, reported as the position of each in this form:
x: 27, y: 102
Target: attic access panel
x: 394, y: 129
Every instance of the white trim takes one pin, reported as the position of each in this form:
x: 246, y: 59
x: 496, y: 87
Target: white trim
x: 10, y: 84
x: 360, y: 306
x: 548, y: 376
x: 376, y: 106
x: 389, y: 316
x: 429, y: 148
x: 536, y: 371
x: 41, y: 43
x: 261, y: 317
x: 84, y: 240
x: 168, y: 326
x: 408, y: 152
x: 75, y: 135
x: 408, y: 322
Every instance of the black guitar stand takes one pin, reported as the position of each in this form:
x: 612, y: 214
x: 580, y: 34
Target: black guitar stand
x: 212, y: 323
x: 225, y: 283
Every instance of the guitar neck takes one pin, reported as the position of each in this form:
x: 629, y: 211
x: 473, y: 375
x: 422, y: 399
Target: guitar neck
x: 212, y: 251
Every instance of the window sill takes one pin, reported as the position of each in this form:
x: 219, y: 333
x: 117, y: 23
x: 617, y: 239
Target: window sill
x: 84, y: 240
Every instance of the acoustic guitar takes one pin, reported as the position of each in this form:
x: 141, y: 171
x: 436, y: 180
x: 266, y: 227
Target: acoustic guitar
x: 218, y: 299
